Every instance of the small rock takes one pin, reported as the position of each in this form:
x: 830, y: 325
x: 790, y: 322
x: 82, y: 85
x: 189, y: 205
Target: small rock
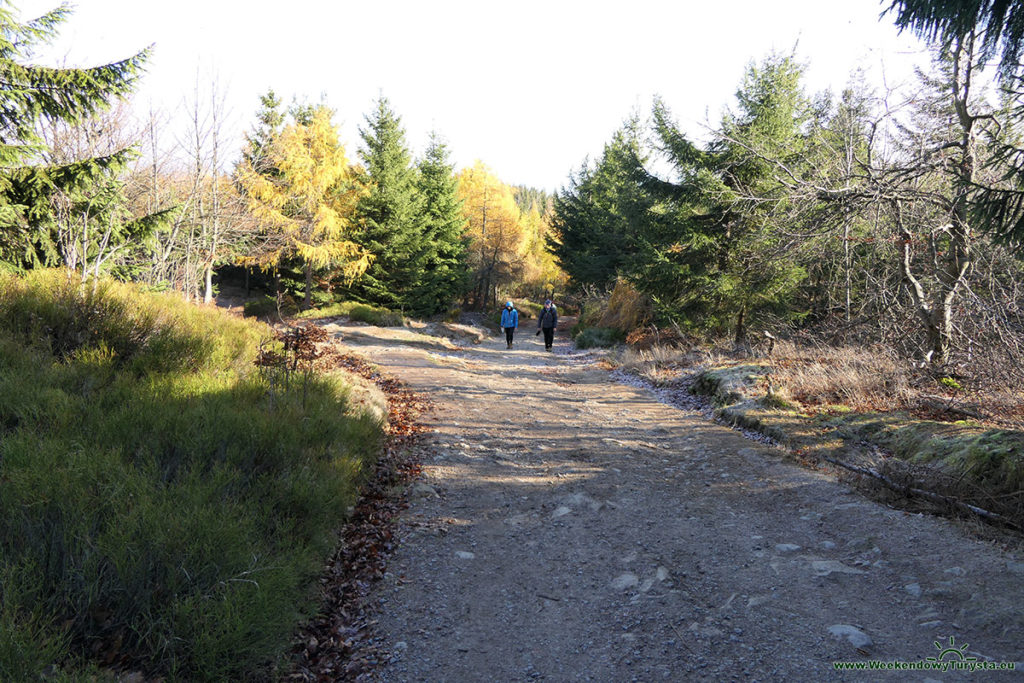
x: 625, y: 581
x: 827, y: 545
x: 826, y: 567
x: 758, y: 600
x: 661, y: 574
x: 560, y: 511
x: 422, y: 490
x: 956, y: 571
x: 914, y: 589
x: 401, y: 645
x: 1015, y: 567
x: 931, y: 624
x: 464, y: 555
x: 854, y: 635
x: 786, y: 547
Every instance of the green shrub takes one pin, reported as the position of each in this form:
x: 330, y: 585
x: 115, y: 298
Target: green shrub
x: 160, y: 499
x: 529, y: 310
x: 330, y: 310
x: 381, y: 317
x: 600, y: 337
x: 259, y: 308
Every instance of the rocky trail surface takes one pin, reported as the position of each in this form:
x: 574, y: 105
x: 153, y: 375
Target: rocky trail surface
x: 572, y: 528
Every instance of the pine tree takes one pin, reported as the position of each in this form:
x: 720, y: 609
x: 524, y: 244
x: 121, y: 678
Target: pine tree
x: 29, y: 96
x: 445, y: 242
x: 390, y: 215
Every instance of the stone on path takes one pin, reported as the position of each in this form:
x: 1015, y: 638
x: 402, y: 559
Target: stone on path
x: 625, y: 581
x: 422, y: 490
x: 826, y: 567
x: 854, y: 635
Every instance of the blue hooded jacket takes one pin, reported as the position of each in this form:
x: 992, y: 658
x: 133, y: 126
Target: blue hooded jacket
x: 509, y: 317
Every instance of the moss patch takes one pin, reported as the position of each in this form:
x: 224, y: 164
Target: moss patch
x: 990, y: 459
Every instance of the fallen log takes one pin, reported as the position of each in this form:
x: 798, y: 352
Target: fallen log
x: 923, y: 493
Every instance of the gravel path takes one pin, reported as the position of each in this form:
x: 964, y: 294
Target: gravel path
x: 574, y: 528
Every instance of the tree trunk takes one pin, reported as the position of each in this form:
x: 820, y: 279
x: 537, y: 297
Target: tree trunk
x: 308, y: 302
x: 847, y: 266
x: 741, y: 329
x: 208, y: 284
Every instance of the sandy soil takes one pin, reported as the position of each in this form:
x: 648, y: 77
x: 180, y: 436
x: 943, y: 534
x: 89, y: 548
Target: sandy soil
x: 572, y: 528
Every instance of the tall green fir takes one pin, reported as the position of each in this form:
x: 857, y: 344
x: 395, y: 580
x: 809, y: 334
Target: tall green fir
x: 269, y: 123
x: 32, y: 96
x: 445, y: 272
x: 711, y: 260
x: 390, y: 215
x: 597, y: 218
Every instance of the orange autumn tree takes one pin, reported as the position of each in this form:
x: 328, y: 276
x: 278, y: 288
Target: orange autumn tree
x: 307, y: 199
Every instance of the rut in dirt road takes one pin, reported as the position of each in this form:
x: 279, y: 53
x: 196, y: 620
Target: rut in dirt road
x: 570, y: 528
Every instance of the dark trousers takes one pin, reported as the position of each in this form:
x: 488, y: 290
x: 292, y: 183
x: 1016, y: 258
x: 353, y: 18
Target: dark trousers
x: 509, y: 331
x: 549, y: 336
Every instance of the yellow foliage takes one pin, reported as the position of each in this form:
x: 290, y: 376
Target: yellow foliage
x: 507, y: 246
x: 310, y: 198
x: 491, y: 212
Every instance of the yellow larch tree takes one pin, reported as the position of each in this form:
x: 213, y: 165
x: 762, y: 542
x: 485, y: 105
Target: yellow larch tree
x: 496, y: 232
x: 541, y: 273
x: 306, y: 201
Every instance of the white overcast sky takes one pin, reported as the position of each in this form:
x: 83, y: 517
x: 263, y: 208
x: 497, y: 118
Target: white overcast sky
x: 529, y: 87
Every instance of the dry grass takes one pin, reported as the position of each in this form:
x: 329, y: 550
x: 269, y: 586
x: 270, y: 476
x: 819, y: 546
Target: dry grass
x: 826, y: 379
x: 627, y: 309
x: 860, y: 379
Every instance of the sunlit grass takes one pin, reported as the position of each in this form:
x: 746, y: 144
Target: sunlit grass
x: 157, y: 506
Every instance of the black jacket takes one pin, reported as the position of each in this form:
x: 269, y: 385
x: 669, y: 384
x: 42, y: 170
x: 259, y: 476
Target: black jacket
x: 548, y: 317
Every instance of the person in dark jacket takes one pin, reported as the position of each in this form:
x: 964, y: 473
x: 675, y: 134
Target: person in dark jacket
x: 509, y: 322
x: 546, y: 323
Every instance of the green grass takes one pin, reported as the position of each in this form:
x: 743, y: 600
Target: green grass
x: 599, y: 337
x: 158, y: 506
x: 365, y: 313
x: 372, y: 315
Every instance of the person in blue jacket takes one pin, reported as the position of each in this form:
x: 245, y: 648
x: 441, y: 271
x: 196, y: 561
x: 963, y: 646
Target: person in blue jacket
x: 509, y: 322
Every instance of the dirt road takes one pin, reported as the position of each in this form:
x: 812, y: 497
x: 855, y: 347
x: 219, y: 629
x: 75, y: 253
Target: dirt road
x: 570, y: 528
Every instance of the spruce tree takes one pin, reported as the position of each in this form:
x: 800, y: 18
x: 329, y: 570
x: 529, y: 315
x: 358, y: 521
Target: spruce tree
x: 390, y: 215
x: 596, y: 219
x: 443, y: 257
x: 270, y: 120
x: 29, y: 96
x: 709, y: 260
